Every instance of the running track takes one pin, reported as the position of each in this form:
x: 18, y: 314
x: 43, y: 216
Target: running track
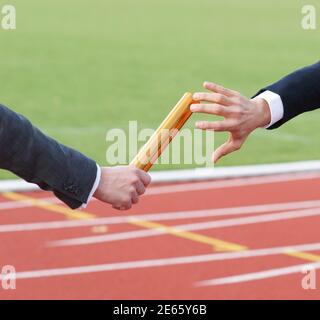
x: 244, y: 238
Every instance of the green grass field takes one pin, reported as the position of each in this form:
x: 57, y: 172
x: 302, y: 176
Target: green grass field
x: 77, y: 68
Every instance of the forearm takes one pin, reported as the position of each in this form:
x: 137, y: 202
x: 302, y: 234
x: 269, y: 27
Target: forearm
x: 37, y: 158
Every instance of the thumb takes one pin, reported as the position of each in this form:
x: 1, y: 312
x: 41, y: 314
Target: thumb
x: 226, y: 148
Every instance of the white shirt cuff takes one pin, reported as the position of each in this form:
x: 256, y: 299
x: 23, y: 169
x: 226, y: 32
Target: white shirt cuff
x: 275, y: 105
x: 94, y: 188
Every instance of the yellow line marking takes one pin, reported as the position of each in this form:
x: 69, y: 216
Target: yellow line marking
x: 218, y: 245
x: 304, y: 255
x: 70, y: 214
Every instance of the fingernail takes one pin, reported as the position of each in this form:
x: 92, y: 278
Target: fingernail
x: 193, y: 107
x: 196, y: 96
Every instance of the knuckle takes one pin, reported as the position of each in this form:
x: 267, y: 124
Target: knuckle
x: 209, y: 96
x: 237, y: 100
x: 136, y: 200
x: 203, y: 108
x: 239, y: 112
x: 126, y: 199
x: 216, y: 126
x: 128, y: 204
x: 218, y: 109
x: 148, y: 178
x: 133, y: 171
x: 132, y: 190
x: 219, y: 97
x: 233, y: 126
x: 134, y: 179
x: 201, y: 96
x: 236, y: 146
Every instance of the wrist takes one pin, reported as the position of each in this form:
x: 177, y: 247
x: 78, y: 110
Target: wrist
x: 263, y: 112
x: 97, y: 191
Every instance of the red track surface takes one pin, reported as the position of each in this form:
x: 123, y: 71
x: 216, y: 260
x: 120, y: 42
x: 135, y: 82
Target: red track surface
x: 37, y: 250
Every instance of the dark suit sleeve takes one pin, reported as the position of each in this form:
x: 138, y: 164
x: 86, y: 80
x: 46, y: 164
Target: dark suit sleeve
x: 37, y: 158
x: 299, y: 91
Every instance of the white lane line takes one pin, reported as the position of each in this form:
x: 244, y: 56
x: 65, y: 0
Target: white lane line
x: 188, y: 227
x: 14, y: 205
x: 267, y: 274
x: 137, y: 264
x: 192, y: 186
x: 160, y: 216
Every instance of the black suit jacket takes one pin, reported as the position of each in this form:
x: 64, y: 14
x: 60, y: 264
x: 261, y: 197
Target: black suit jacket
x: 35, y: 157
x: 299, y: 91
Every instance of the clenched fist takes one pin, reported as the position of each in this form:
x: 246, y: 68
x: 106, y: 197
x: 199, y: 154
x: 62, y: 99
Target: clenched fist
x: 121, y: 186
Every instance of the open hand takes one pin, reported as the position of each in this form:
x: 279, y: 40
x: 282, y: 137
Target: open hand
x: 241, y: 115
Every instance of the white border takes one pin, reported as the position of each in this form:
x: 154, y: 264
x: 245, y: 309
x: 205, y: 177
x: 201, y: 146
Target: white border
x: 199, y: 174
x: 235, y: 172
